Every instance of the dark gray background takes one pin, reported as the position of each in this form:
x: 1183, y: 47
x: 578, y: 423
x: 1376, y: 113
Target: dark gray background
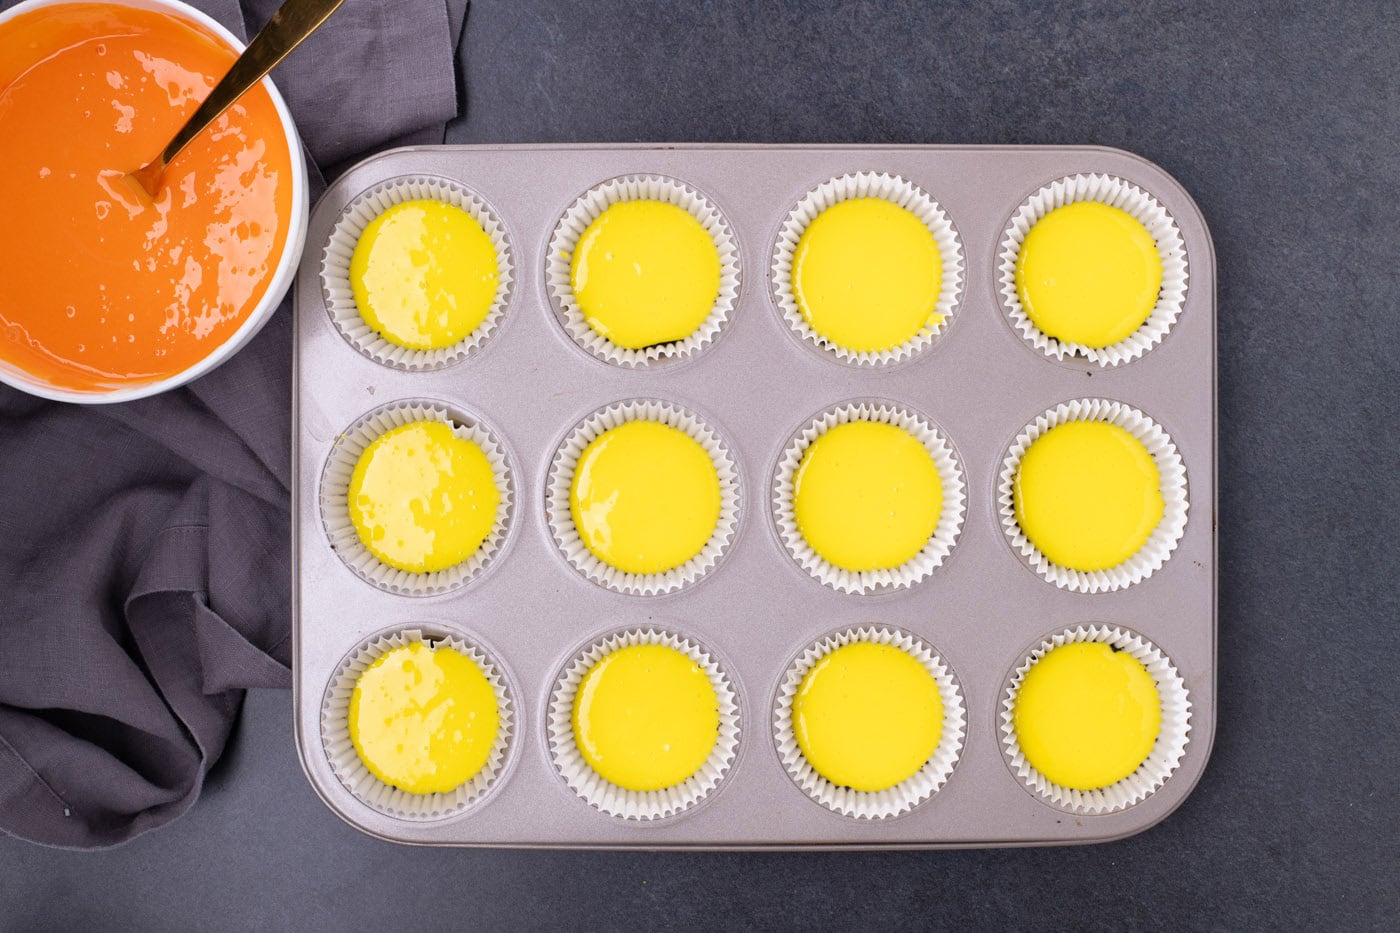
x: 1283, y: 120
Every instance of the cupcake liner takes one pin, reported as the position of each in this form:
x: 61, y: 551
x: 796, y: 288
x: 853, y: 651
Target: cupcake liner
x: 1114, y: 192
x: 335, y: 271
x: 619, y: 801
x: 917, y: 568
x: 351, y: 771
x: 1165, y: 756
x: 561, y: 520
x: 335, y: 486
x: 584, y: 211
x: 913, y: 790
x: 1164, y: 538
x: 898, y: 191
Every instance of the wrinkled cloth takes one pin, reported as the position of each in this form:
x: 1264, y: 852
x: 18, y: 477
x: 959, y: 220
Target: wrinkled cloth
x: 144, y: 547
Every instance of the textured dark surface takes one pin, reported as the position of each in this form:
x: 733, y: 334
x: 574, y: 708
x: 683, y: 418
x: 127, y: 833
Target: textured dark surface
x: 1284, y: 122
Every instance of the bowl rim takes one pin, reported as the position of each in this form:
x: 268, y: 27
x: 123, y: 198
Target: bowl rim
x: 278, y: 286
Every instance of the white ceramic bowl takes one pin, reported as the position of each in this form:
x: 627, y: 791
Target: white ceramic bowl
x: 286, y: 265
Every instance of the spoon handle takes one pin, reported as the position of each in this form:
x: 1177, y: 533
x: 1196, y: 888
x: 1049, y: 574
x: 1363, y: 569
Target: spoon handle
x: 293, y: 22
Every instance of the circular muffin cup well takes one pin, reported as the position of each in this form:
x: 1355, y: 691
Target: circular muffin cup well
x: 1143, y: 207
x: 351, y: 771
x: 335, y: 509
x: 901, y: 193
x: 340, y: 297
x: 1172, y: 475
x: 560, y: 482
x: 607, y: 797
x: 913, y: 790
x: 587, y: 208
x: 938, y: 546
x: 1161, y: 762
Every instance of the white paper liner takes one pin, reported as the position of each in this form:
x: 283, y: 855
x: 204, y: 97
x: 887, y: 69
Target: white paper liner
x: 619, y: 801
x: 933, y: 553
x: 897, y: 191
x: 1166, y: 753
x: 913, y: 790
x: 335, y: 487
x: 1159, y: 544
x: 345, y: 761
x: 561, y: 519
x: 335, y: 270
x: 587, y: 209
x: 1115, y: 192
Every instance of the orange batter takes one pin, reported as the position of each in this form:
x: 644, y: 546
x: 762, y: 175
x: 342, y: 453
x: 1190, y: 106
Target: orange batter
x: 103, y: 287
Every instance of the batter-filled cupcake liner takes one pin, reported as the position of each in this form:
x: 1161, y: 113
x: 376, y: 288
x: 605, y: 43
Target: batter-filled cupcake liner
x: 908, y: 793
x: 1144, y: 208
x: 609, y: 797
x: 335, y: 508
x: 561, y: 519
x: 939, y: 545
x: 584, y: 211
x: 897, y: 191
x: 1172, y: 475
x: 345, y: 761
x: 1160, y: 763
x: 340, y: 297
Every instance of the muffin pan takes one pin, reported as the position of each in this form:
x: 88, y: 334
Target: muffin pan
x: 980, y: 382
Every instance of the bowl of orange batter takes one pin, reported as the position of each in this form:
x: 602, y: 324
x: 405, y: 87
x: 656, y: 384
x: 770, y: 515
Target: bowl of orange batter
x: 109, y: 294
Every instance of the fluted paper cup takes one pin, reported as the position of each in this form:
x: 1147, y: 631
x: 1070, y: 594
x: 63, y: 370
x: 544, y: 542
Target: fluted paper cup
x: 560, y: 515
x: 1172, y: 475
x: 913, y: 790
x: 586, y: 209
x: 901, y: 193
x: 340, y: 296
x: 619, y: 801
x: 1166, y: 753
x: 1143, y: 207
x: 335, y: 506
x: 945, y: 534
x: 351, y: 771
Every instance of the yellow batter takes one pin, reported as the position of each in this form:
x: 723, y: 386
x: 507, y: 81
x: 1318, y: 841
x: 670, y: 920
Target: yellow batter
x: 646, y: 717
x: 424, y: 719
x: 645, y: 497
x: 868, y: 716
x: 1088, y: 273
x: 424, y: 274
x: 867, y: 496
x: 645, y: 273
x: 423, y: 499
x: 1088, y: 495
x: 1087, y: 716
x: 867, y: 275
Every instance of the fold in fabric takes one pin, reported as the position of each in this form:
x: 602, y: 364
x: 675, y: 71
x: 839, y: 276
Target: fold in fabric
x: 144, y: 547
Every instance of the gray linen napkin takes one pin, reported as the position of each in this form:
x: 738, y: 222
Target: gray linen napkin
x: 144, y: 547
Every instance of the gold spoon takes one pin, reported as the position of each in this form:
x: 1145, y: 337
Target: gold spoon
x: 293, y: 22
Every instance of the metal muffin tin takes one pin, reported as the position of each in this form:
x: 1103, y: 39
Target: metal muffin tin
x: 982, y: 611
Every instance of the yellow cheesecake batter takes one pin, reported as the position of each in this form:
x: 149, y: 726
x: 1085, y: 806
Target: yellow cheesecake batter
x: 867, y: 496
x: 1088, y: 273
x: 645, y: 273
x: 1087, y: 716
x: 646, y: 717
x: 867, y: 274
x: 645, y: 497
x: 868, y: 716
x: 424, y: 719
x: 1088, y: 495
x: 424, y: 274
x: 423, y: 499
